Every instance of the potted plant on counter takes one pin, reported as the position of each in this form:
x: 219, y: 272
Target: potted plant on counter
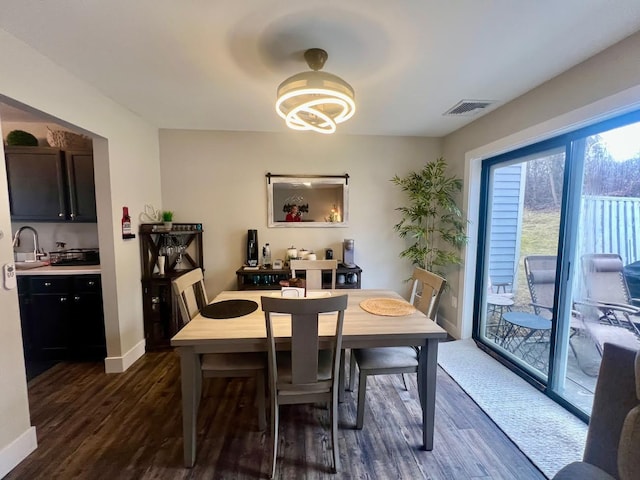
x: 432, y: 220
x: 167, y: 218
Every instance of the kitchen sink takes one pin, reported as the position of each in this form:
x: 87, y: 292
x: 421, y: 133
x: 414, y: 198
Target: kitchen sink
x: 29, y: 265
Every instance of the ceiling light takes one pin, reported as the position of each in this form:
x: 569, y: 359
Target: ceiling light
x: 315, y: 100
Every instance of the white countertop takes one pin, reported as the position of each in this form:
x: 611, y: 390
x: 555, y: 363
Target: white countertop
x: 62, y: 270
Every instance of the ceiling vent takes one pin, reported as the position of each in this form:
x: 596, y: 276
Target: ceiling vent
x: 468, y: 107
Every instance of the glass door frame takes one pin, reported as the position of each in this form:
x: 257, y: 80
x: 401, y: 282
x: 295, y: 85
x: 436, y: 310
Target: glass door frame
x: 573, y: 144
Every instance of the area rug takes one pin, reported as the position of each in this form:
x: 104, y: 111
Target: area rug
x: 545, y: 432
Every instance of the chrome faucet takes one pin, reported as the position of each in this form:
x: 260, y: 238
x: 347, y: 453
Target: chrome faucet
x: 37, y: 253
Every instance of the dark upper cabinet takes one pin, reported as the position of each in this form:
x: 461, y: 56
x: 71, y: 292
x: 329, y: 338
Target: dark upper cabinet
x: 82, y: 192
x: 50, y: 185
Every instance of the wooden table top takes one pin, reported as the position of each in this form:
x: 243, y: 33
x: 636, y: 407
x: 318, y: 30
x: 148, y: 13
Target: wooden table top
x: 360, y: 327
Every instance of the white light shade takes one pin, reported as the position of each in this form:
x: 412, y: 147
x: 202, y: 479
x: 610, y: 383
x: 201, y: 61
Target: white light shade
x: 315, y: 101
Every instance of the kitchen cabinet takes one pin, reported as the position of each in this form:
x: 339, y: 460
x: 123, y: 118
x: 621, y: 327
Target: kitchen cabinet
x: 62, y: 317
x: 182, y: 247
x: 50, y: 185
x: 268, y: 279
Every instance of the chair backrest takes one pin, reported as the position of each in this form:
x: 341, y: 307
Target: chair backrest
x: 541, y: 279
x: 190, y: 293
x: 604, y: 279
x: 304, y: 340
x: 616, y: 395
x: 629, y: 445
x: 426, y: 291
x: 313, y: 269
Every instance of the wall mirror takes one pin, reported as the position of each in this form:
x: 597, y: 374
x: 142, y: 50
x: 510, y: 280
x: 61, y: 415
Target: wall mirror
x: 308, y: 200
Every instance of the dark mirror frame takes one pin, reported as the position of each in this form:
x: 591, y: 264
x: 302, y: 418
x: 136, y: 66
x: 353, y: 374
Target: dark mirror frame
x: 307, y: 192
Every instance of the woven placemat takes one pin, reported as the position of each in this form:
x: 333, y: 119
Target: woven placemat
x: 229, y: 309
x: 389, y: 307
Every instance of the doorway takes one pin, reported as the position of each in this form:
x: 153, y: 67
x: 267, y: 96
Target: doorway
x: 560, y: 226
x: 67, y: 240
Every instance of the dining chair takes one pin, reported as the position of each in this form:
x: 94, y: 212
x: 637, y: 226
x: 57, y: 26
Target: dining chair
x: 308, y: 373
x: 314, y: 269
x: 191, y: 296
x: 426, y: 292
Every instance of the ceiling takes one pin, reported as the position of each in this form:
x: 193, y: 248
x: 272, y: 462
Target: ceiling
x: 216, y: 64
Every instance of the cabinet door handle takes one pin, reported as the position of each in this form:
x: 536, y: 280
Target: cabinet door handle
x: 91, y: 283
x: 61, y: 215
x: 76, y: 298
x: 73, y: 215
x: 47, y: 284
x: 63, y: 299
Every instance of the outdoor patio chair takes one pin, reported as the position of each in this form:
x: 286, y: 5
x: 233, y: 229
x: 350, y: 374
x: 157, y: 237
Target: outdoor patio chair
x: 540, y: 271
x: 607, y: 291
x: 541, y: 274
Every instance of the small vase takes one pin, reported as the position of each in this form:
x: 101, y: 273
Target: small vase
x: 161, y: 264
x: 168, y: 225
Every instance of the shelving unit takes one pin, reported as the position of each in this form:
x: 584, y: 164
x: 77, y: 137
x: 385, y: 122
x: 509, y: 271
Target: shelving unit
x: 182, y: 245
x: 268, y: 278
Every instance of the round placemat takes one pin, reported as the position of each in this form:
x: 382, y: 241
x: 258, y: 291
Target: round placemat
x: 389, y: 307
x: 229, y: 308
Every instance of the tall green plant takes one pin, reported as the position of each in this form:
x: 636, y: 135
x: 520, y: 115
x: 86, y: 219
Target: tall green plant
x: 432, y: 219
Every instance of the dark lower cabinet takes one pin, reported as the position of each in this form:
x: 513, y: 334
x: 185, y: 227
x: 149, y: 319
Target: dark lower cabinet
x: 62, y: 317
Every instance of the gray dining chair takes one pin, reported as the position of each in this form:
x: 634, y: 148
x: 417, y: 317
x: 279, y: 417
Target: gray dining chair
x: 308, y: 373
x: 191, y: 296
x: 426, y: 291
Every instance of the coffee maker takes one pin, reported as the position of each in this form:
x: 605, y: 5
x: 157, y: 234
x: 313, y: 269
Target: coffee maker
x: 348, y: 253
x: 252, y: 248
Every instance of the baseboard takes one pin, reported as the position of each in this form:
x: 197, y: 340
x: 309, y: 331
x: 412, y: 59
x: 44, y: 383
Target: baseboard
x: 18, y: 450
x: 121, y: 364
x: 451, y: 328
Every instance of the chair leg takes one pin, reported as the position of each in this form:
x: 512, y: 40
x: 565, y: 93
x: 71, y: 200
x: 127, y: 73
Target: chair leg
x: 260, y: 396
x: 274, y: 434
x: 404, y: 380
x: 334, y: 437
x: 362, y: 390
x: 341, y: 377
x: 352, y: 370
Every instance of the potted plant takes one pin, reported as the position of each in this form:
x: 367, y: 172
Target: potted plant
x: 432, y: 220
x: 167, y: 218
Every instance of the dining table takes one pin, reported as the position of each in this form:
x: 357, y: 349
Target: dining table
x: 361, y: 329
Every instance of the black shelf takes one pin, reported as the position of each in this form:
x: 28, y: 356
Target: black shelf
x: 255, y: 279
x: 182, y: 245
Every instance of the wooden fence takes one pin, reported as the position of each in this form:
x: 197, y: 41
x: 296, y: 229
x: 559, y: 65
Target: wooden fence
x: 611, y: 225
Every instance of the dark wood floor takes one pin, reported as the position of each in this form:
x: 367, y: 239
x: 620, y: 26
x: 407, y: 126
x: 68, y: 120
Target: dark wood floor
x: 128, y: 426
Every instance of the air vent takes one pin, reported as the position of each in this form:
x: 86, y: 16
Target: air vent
x: 469, y: 107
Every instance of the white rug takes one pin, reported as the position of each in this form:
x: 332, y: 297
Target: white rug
x: 545, y: 432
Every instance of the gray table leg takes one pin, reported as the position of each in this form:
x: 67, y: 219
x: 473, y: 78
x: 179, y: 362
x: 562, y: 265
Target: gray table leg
x: 427, y: 373
x: 189, y: 371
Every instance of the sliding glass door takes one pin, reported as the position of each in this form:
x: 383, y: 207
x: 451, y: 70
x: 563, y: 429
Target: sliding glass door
x: 559, y: 245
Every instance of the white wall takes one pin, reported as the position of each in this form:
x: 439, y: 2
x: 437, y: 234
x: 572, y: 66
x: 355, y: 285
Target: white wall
x: 601, y: 87
x: 218, y: 178
x: 127, y: 173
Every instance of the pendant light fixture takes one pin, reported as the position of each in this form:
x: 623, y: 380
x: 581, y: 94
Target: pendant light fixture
x: 315, y: 100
